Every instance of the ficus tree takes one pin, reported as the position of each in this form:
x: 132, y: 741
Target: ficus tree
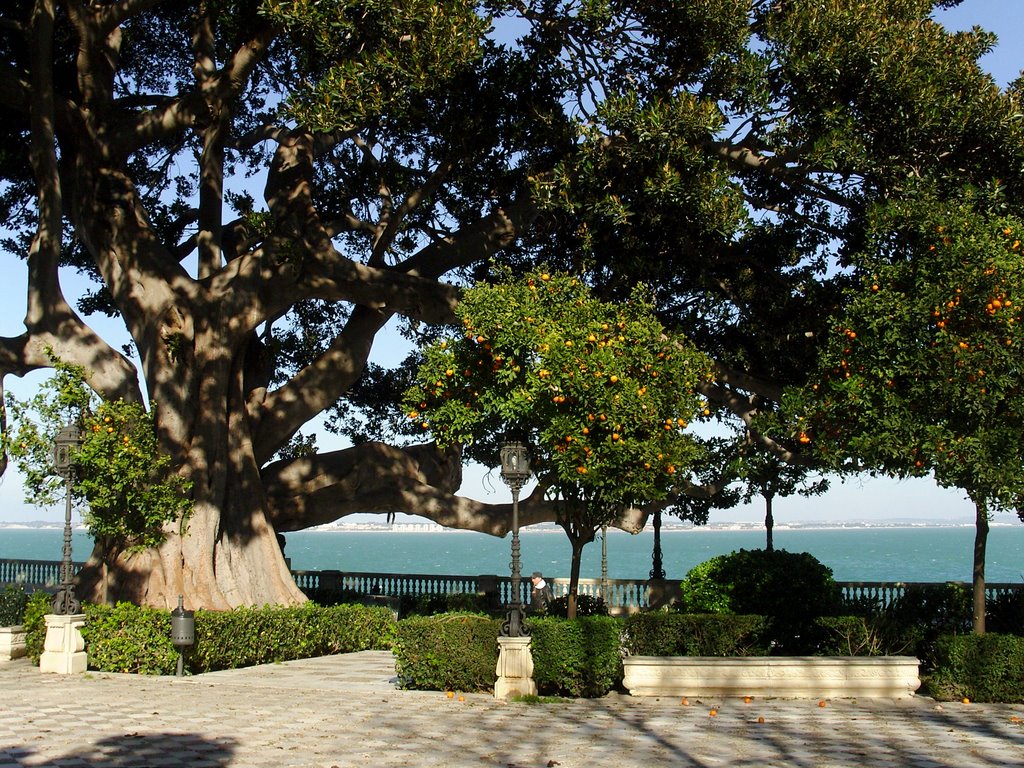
x: 602, y: 393
x: 922, y: 373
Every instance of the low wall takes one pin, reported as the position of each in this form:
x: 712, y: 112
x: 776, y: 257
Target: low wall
x: 777, y: 676
x: 12, y: 643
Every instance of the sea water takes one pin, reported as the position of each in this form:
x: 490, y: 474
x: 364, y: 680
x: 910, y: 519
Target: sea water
x: 923, y: 553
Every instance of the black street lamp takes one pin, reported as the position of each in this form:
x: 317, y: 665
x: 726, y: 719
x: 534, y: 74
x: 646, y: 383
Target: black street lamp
x: 515, y: 470
x: 65, y: 444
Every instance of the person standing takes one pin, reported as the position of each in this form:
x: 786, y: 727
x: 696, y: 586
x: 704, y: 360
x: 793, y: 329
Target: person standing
x: 540, y: 594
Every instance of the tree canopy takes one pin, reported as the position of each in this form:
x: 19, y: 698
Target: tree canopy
x: 257, y: 187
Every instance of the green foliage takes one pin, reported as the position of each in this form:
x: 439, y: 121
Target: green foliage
x: 39, y: 604
x: 130, y: 489
x: 586, y: 605
x: 13, y: 602
x: 791, y: 589
x: 362, y: 72
x: 129, y: 638
x: 922, y: 613
x: 454, y: 652
x: 940, y: 289
x: 455, y: 602
x: 579, y: 658
x: 602, y: 391
x: 247, y: 636
x: 1006, y: 613
x: 681, y: 634
x: 987, y: 667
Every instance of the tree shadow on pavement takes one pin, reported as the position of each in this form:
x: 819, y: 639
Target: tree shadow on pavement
x: 133, y: 750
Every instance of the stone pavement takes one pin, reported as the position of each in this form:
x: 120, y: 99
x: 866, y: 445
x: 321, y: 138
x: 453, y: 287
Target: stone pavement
x: 345, y: 711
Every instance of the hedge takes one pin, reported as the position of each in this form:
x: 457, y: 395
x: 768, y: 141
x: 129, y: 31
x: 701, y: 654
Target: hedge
x: 447, y: 652
x: 129, y: 638
x: 987, y: 667
x: 681, y: 634
x: 580, y: 658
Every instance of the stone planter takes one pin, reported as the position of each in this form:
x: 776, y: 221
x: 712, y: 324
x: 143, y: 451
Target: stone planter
x: 781, y: 676
x: 12, y: 643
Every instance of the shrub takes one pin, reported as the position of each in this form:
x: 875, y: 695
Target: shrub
x: 13, y: 601
x: 987, y: 667
x: 1005, y: 613
x: 916, y: 619
x: 852, y: 636
x: 679, y: 634
x: 127, y: 638
x: 249, y: 636
x: 580, y: 658
x: 586, y: 605
x: 455, y: 602
x: 791, y: 589
x: 39, y: 604
x: 456, y: 651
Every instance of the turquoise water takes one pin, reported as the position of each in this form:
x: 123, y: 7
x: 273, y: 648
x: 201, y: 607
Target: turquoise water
x: 854, y: 554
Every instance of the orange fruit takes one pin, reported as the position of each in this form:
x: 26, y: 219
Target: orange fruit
x: 822, y: 703
x: 462, y: 698
x: 713, y: 713
x: 746, y: 699
x: 965, y: 700
x: 685, y: 702
x: 450, y: 695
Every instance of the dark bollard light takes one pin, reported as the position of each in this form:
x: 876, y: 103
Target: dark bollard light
x: 68, y: 440
x: 515, y: 471
x: 183, y: 631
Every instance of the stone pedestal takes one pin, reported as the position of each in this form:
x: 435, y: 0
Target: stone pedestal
x: 515, y: 668
x: 12, y: 643
x: 64, y: 647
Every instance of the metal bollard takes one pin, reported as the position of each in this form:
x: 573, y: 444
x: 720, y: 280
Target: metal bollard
x: 183, y: 631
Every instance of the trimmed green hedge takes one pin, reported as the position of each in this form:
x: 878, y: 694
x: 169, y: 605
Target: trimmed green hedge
x: 680, y: 634
x: 987, y: 667
x: 459, y: 651
x: 447, y: 652
x: 580, y: 658
x: 128, y: 638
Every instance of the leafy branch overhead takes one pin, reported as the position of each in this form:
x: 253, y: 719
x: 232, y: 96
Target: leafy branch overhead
x: 602, y: 392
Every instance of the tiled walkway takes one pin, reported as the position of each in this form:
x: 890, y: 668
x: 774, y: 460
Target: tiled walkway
x: 345, y: 711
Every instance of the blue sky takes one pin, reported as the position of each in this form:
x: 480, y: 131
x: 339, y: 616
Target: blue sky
x: 857, y: 499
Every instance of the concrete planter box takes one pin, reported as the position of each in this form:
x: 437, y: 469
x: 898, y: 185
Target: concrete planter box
x: 780, y: 676
x: 12, y: 643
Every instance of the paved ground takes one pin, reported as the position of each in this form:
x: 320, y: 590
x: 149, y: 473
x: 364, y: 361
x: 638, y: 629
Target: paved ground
x: 345, y: 711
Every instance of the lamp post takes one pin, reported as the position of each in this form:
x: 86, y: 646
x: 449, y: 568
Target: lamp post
x: 658, y: 571
x: 515, y: 470
x: 64, y: 445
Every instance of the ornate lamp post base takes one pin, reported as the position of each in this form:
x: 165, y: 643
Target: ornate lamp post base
x: 64, y: 647
x: 515, y: 668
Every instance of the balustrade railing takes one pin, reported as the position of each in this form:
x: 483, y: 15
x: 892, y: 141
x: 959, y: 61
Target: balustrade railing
x: 32, y: 574
x: 620, y: 595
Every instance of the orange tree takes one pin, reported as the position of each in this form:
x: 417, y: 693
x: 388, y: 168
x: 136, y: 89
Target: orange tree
x: 923, y: 370
x: 602, y: 393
